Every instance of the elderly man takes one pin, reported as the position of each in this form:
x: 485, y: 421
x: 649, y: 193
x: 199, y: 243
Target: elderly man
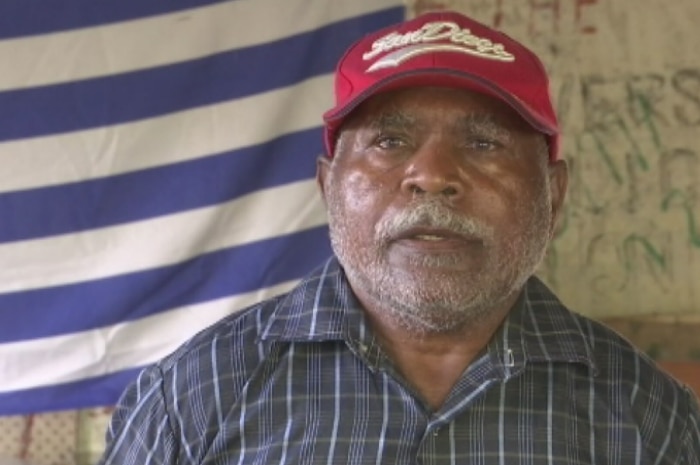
x: 426, y: 339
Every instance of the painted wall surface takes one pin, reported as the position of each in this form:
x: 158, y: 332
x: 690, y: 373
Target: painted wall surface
x: 626, y: 80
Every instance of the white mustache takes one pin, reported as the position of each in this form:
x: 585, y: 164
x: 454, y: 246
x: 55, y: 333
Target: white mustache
x: 431, y: 214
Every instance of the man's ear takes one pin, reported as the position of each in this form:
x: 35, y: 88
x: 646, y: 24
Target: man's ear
x: 323, y: 166
x: 558, y: 184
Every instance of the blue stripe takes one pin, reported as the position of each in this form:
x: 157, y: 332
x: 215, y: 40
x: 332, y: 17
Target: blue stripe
x: 103, y: 390
x: 148, y: 93
x: 30, y: 17
x: 85, y: 205
x: 84, y: 306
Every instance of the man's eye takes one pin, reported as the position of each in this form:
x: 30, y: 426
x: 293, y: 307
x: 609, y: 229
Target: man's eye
x: 483, y: 145
x: 389, y: 142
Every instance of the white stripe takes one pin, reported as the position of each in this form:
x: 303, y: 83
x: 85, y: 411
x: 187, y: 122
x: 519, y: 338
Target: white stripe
x: 333, y: 440
x: 290, y: 410
x: 184, y: 443
x: 155, y: 446
x: 633, y: 401
x: 114, y: 348
x: 501, y: 425
x: 258, y: 323
x: 128, y: 426
x: 242, y: 452
x: 550, y: 414
x: 181, y: 136
x: 674, y: 417
x: 317, y: 301
x: 132, y: 45
x: 216, y: 384
x: 381, y: 444
x: 159, y: 241
x: 591, y: 418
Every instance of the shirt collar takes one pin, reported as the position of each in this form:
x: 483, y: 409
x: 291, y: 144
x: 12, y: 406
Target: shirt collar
x: 321, y: 307
x: 538, y: 329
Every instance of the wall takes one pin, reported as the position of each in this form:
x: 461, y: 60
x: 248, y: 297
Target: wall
x: 627, y: 85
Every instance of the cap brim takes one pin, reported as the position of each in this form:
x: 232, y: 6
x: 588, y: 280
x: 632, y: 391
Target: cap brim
x: 441, y: 78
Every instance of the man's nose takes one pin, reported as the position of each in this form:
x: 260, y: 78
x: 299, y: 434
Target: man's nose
x: 435, y: 170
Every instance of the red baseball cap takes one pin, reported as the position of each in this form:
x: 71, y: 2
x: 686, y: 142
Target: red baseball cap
x: 444, y: 49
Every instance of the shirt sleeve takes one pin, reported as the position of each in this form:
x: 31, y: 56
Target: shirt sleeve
x: 140, y: 431
x: 691, y: 446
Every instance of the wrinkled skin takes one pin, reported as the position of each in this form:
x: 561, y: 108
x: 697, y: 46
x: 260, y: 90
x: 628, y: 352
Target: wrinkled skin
x: 441, y: 203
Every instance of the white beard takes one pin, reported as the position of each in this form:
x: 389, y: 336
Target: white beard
x: 434, y: 300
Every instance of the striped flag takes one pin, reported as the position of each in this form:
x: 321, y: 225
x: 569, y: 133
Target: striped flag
x: 157, y: 173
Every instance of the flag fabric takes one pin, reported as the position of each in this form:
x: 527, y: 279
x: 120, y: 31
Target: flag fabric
x: 157, y: 173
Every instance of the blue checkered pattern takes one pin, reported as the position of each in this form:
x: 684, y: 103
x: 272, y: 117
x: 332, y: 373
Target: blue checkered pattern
x: 301, y: 379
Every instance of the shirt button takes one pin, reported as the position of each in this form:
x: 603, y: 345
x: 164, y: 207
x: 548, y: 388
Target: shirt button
x: 436, y: 432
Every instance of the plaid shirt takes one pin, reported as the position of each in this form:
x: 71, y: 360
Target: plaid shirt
x: 300, y: 379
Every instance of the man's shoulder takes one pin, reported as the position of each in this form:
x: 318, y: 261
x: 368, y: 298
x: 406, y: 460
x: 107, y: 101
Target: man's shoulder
x: 665, y: 409
x: 245, y: 337
x: 239, y: 331
x: 616, y: 361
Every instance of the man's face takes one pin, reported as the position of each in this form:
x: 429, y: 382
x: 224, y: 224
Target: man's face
x: 441, y: 203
